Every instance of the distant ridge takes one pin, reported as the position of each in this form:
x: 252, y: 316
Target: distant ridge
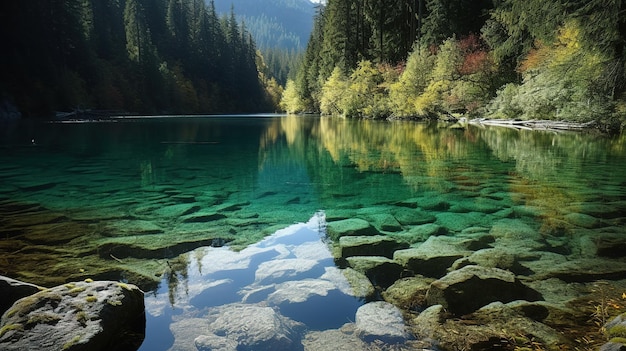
x: 284, y: 24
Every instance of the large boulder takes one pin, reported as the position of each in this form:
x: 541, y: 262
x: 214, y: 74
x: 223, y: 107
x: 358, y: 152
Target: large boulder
x: 255, y: 328
x: 486, y: 329
x: 102, y: 315
x: 12, y: 290
x: 466, y: 290
x: 495, y: 258
x: 433, y: 257
x: 382, y: 321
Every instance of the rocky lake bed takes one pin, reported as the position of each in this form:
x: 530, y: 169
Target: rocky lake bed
x: 480, y: 273
x: 436, y: 240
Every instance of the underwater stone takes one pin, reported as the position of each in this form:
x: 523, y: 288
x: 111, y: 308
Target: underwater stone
x: 101, y: 315
x: 494, y: 258
x: 408, y: 293
x: 514, y: 229
x: 176, y: 211
x: 262, y: 328
x: 583, y: 220
x: 215, y: 343
x: 583, y: 270
x: 379, y: 270
x: 420, y: 233
x: 427, y: 324
x: 467, y: 289
x: 385, y: 222
x: 382, y: 321
x: 359, y: 284
x: 613, y: 246
x: 433, y: 257
x: 479, y: 204
x: 514, y: 320
x: 352, y: 226
x: 369, y: 245
x: 433, y: 204
x: 409, y: 216
x: 456, y: 222
x: 203, y: 217
x: 332, y: 340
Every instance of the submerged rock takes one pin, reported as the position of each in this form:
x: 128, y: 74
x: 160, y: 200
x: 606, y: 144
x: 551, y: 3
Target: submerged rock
x: 493, y: 327
x: 494, y: 258
x: 433, y: 257
x: 332, y: 340
x: 356, y: 283
x: 381, y: 321
x: 583, y: 270
x: 352, y: 226
x: 255, y: 328
x: 101, y: 315
x: 377, y: 245
x: 466, y: 290
x: 408, y: 293
x: 412, y: 216
x: 379, y: 270
x: 215, y: 343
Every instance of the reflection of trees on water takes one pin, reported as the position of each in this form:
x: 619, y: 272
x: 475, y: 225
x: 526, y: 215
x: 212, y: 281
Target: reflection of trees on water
x: 536, y: 168
x: 558, y: 172
x: 177, y: 278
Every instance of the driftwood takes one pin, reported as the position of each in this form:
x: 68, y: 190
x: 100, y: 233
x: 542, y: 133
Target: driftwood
x: 533, y: 124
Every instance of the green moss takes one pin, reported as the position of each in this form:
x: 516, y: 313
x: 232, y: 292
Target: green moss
x: 70, y: 285
x: 11, y: 312
x: 42, y: 318
x: 618, y: 331
x: 71, y: 343
x: 91, y: 298
x: 82, y: 318
x: 618, y: 340
x: 114, y: 302
x: 88, y: 280
x: 10, y: 327
x: 77, y: 290
x: 125, y: 286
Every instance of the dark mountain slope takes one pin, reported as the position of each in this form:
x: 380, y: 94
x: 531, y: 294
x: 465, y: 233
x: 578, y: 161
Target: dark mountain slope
x: 282, y: 24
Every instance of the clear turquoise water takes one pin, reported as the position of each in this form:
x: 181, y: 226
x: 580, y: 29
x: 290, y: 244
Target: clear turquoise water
x: 140, y: 199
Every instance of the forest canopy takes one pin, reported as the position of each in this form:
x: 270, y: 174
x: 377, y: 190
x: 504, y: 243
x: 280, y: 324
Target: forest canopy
x: 531, y: 59
x: 145, y: 56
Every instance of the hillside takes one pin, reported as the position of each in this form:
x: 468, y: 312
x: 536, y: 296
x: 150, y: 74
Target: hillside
x: 144, y: 56
x: 284, y: 24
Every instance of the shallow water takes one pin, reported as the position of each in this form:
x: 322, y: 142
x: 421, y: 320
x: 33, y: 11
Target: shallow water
x: 155, y: 201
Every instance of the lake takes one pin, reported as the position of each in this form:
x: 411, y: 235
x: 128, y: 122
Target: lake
x: 207, y: 211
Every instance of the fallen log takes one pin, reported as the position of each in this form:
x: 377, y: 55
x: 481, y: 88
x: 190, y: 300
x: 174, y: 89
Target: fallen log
x: 555, y: 126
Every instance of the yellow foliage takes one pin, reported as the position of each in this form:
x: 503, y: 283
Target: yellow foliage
x: 432, y: 97
x: 290, y: 101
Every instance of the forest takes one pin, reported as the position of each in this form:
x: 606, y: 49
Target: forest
x: 138, y: 56
x: 534, y: 59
